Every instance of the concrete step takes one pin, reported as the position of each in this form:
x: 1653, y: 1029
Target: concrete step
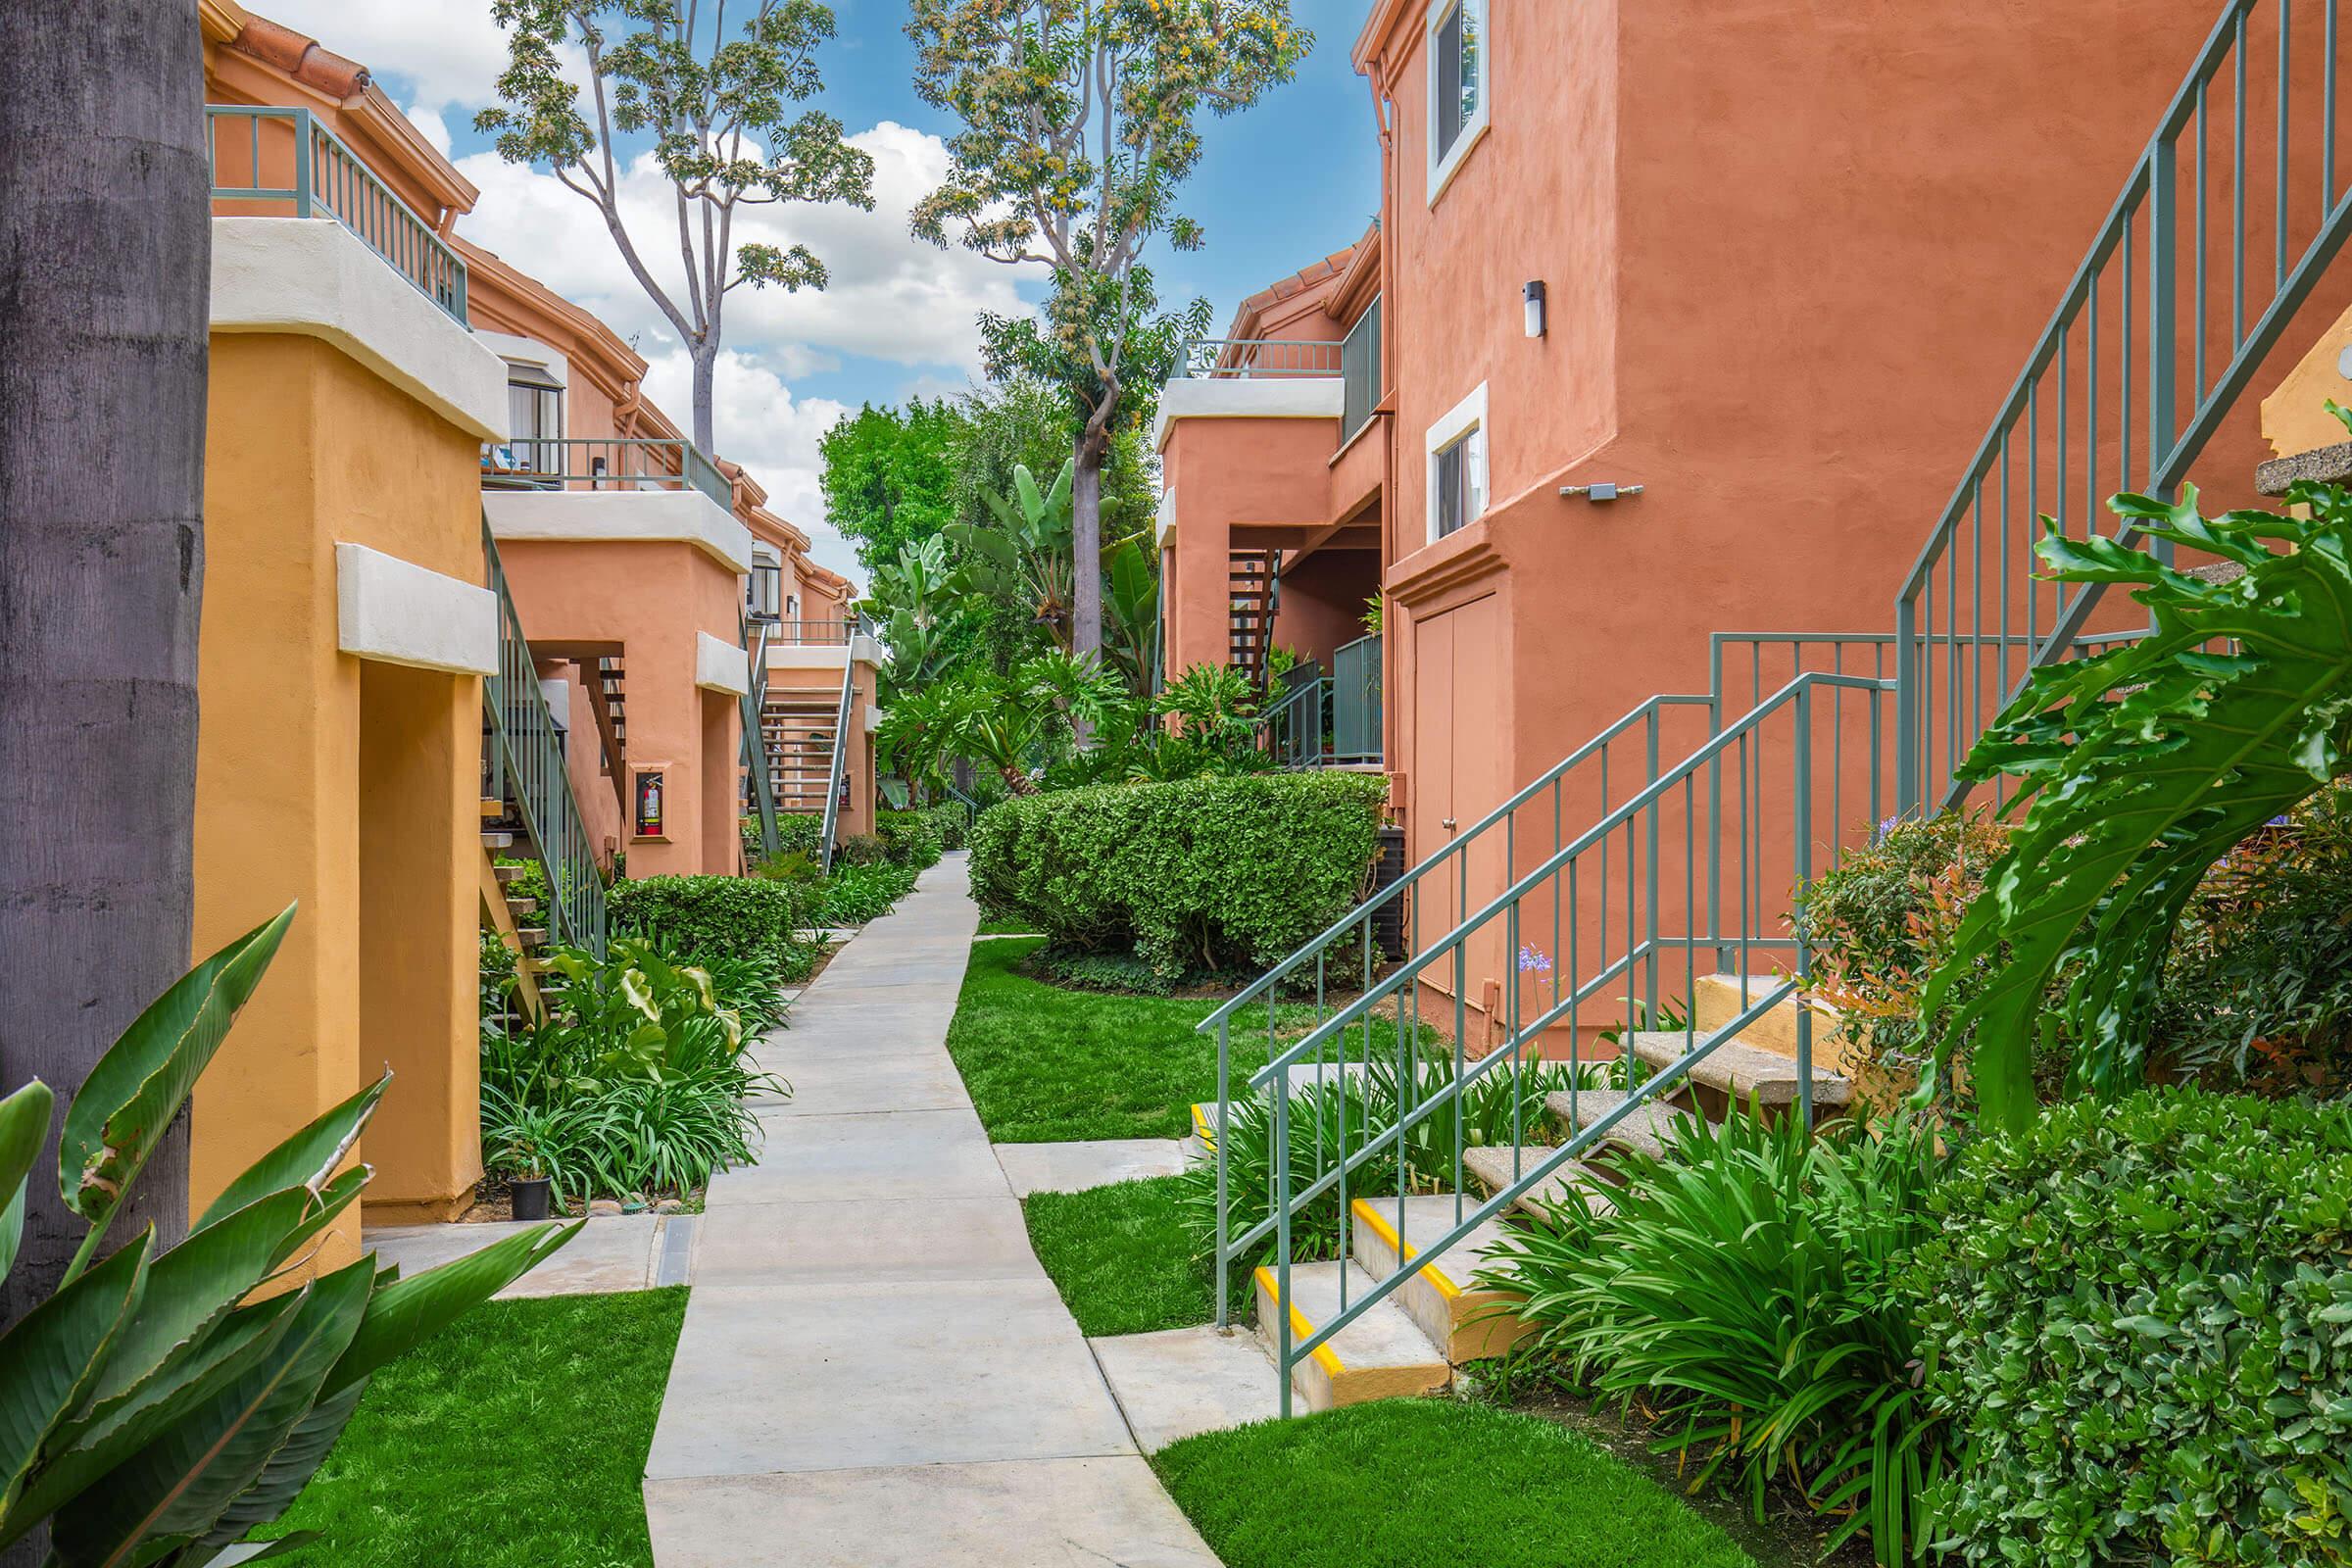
x: 1643, y: 1131
x: 1718, y: 999
x: 531, y: 936
x: 1741, y: 1072
x: 1305, y: 1075
x: 1467, y: 1321
x: 508, y: 874
x: 1381, y: 1355
x: 1492, y: 1167
x: 495, y: 839
x: 492, y: 809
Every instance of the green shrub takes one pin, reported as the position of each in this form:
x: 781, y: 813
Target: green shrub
x: 912, y: 837
x: 1208, y: 873
x: 861, y: 849
x: 2140, y: 1317
x: 712, y: 917
x: 798, y: 831
x: 953, y: 822
x: 1119, y: 974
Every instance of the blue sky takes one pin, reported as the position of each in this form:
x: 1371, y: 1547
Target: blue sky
x: 1279, y: 186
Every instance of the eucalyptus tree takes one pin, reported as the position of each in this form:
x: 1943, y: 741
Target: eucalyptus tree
x: 104, y: 265
x: 1081, y: 119
x: 718, y: 111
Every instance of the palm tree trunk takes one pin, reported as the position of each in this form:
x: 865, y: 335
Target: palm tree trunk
x: 105, y: 269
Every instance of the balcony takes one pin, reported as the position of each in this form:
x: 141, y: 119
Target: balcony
x: 604, y: 464
x: 1247, y: 359
x: 267, y: 161
x: 1330, y: 720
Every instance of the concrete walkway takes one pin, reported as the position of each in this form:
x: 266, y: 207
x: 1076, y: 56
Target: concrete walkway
x: 874, y: 1371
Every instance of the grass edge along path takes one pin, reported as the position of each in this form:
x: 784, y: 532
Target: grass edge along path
x: 1121, y: 1258
x: 1048, y: 1065
x: 515, y: 1438
x: 1430, y: 1481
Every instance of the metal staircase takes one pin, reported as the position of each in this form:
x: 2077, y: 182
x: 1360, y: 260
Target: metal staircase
x: 805, y: 736
x: 1634, y: 894
x: 526, y: 778
x: 1253, y: 590
x: 758, y: 764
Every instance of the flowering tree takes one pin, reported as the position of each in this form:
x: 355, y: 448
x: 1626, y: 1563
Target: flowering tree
x: 717, y: 109
x: 1081, y: 119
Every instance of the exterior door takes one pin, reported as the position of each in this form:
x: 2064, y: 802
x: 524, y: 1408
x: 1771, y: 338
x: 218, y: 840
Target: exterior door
x: 1459, y: 770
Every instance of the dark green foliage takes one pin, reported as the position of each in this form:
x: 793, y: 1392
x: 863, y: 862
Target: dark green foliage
x: 2139, y: 1318
x: 1120, y: 1256
x: 2141, y: 767
x: 800, y: 833
x: 910, y: 838
x: 2258, y: 987
x: 856, y: 893
x: 517, y: 1439
x: 1753, y: 1289
x: 953, y: 822
x: 1414, y: 1483
x: 1119, y: 974
x: 861, y: 849
x: 1120, y: 1066
x: 711, y: 917
x: 1209, y: 873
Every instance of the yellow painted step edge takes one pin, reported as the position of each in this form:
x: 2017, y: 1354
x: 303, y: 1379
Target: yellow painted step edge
x: 1301, y: 1328
x: 1436, y: 1276
x: 1202, y: 1126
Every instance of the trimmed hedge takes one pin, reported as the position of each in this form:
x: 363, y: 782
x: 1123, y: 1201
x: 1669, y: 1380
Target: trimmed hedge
x: 2140, y: 1316
x: 711, y: 917
x: 912, y: 837
x: 1202, y: 873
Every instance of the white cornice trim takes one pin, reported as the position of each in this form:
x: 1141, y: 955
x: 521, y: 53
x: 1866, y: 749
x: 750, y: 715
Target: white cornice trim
x: 720, y: 666
x: 1271, y: 397
x: 609, y: 517
x: 398, y: 612
x: 313, y: 278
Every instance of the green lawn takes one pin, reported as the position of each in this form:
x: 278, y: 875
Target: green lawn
x: 1048, y: 1066
x: 1120, y: 1256
x: 515, y: 1439
x: 1430, y: 1481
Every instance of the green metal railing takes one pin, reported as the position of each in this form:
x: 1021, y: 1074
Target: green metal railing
x: 1355, y: 714
x: 1359, y: 372
x: 526, y: 770
x: 759, y: 763
x: 603, y: 462
x: 266, y: 156
x: 2154, y: 342
x: 841, y: 762
x: 2160, y: 330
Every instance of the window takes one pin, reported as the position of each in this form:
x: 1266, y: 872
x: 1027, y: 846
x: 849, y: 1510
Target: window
x: 1457, y: 88
x: 534, y: 418
x: 765, y: 586
x: 1457, y: 466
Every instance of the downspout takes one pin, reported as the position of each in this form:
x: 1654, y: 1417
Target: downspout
x: 1392, y: 719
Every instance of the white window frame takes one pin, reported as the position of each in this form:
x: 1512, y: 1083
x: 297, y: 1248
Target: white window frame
x: 1441, y: 169
x: 1464, y: 419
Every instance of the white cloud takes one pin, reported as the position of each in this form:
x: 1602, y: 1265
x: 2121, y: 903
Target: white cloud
x: 434, y: 127
x: 448, y: 52
x: 890, y: 297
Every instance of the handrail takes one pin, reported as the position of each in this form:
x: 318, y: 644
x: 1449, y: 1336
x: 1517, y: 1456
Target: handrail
x: 603, y: 462
x: 2163, y: 322
x: 1249, y: 357
x: 1291, y: 729
x: 522, y: 750
x: 1356, y: 701
x: 326, y: 174
x: 841, y: 761
x: 758, y: 762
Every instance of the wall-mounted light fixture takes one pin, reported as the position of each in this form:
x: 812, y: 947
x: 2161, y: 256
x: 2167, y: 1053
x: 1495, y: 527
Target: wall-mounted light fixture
x: 1534, y: 295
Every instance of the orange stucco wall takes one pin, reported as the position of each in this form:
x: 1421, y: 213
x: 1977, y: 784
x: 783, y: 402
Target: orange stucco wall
x: 346, y: 787
x: 648, y: 599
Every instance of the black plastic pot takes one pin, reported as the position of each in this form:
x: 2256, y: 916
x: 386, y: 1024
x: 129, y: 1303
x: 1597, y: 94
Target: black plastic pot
x: 529, y: 1193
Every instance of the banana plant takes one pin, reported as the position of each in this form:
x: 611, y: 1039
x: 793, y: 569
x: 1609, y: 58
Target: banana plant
x: 164, y: 1402
x: 2138, y: 769
x: 1027, y: 560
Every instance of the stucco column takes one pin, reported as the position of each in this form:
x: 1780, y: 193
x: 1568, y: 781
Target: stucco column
x: 421, y: 736
x: 721, y: 775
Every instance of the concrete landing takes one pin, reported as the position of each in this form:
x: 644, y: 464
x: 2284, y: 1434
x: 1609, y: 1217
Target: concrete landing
x: 875, y: 1370
x: 1075, y: 1167
x: 1181, y: 1382
x: 612, y: 1252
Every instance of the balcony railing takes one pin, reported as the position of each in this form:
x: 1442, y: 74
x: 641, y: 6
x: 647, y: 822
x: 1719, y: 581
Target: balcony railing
x: 813, y: 633
x: 1356, y: 736
x: 1245, y: 358
x: 272, y: 158
x: 1359, y: 372
x: 606, y: 463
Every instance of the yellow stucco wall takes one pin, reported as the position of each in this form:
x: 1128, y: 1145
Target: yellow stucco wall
x: 307, y: 448
x: 2295, y: 417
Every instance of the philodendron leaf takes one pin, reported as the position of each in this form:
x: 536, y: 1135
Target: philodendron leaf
x: 139, y: 1084
x: 308, y: 1158
x: 406, y: 1312
x: 175, y: 1488
x: 289, y: 1469
x: 23, y: 1123
x: 51, y: 1358
x: 327, y: 1206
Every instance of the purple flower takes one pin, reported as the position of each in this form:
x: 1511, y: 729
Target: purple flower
x: 1532, y: 961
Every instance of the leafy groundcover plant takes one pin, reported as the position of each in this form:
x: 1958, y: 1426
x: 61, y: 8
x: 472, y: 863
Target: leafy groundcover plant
x: 637, y: 1081
x: 2139, y: 1320
x: 163, y: 1405
x: 1752, y: 1291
